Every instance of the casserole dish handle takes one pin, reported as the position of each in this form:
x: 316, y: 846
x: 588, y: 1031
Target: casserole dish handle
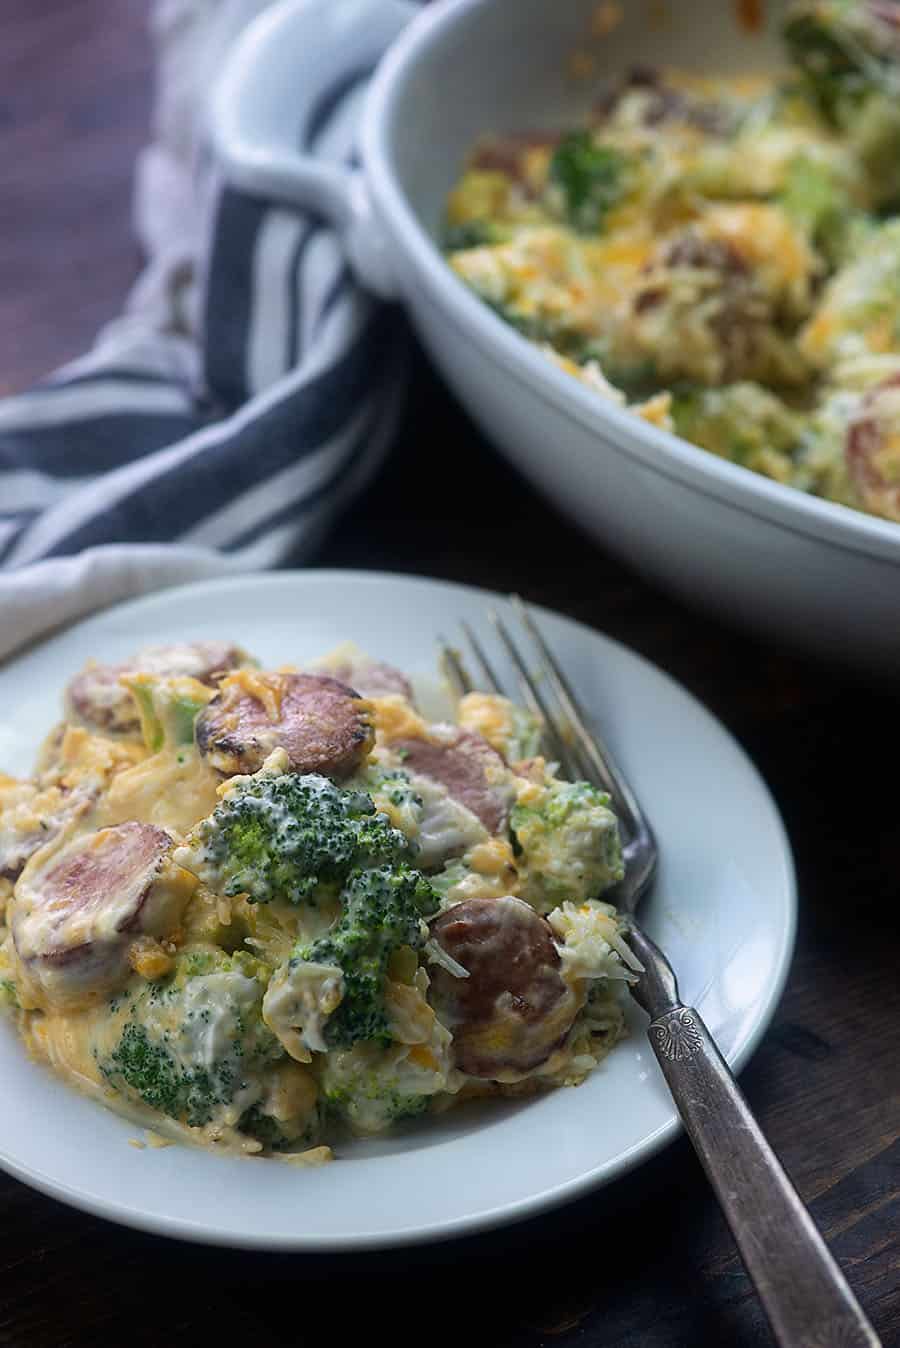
x: 278, y: 81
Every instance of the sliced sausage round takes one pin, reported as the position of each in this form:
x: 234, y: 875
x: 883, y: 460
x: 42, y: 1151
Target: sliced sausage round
x: 74, y: 914
x: 872, y: 449
x: 29, y: 818
x: 509, y: 154
x: 372, y: 678
x: 97, y: 696
x: 694, y: 250
x: 514, y: 1008
x: 661, y: 102
x: 468, y: 768
x: 886, y: 12
x: 323, y: 725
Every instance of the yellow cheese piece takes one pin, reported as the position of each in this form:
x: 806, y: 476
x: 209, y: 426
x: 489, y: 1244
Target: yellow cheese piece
x: 174, y: 789
x: 395, y: 719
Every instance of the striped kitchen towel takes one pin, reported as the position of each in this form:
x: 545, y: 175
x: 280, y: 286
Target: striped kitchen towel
x: 248, y: 393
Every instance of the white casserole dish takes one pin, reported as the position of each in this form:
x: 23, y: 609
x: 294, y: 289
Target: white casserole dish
x: 803, y: 570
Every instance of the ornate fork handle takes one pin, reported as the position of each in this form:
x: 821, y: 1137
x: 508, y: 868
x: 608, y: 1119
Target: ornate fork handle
x: 801, y: 1287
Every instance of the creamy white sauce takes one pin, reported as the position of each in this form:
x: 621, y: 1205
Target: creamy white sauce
x: 446, y: 828
x: 210, y: 1029
x: 298, y: 1001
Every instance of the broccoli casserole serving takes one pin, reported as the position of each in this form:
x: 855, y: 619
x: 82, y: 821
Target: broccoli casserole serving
x: 720, y: 255
x: 260, y: 909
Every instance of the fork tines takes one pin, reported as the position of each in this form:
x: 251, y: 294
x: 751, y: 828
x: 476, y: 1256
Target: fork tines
x: 550, y: 697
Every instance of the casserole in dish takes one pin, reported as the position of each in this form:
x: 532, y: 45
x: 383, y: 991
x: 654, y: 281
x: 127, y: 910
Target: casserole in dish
x: 805, y: 570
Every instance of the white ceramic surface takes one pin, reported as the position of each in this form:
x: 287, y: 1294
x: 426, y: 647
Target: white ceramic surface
x: 811, y: 572
x: 724, y: 909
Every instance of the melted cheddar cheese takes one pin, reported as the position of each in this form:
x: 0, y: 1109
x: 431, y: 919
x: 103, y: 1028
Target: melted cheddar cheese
x: 718, y: 255
x: 239, y: 960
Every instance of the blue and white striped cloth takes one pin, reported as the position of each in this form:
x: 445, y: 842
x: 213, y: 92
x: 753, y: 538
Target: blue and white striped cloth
x: 248, y: 394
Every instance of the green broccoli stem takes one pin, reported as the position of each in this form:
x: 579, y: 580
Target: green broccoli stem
x: 168, y: 708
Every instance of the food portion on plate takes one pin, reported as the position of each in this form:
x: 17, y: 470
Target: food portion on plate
x: 720, y: 255
x: 257, y: 908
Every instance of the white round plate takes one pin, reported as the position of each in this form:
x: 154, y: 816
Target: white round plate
x: 723, y: 908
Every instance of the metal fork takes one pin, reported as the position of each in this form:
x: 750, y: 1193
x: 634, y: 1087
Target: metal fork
x: 801, y: 1287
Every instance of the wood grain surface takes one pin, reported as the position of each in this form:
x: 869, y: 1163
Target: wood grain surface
x: 646, y: 1262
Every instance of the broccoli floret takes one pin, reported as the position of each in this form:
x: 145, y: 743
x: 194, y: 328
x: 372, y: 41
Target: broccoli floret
x: 393, y: 795
x: 858, y: 314
x: 483, y: 208
x: 289, y: 1116
x: 874, y: 140
x: 589, y: 178
x: 194, y: 1047
x: 473, y: 234
x: 370, y: 1089
x: 381, y: 910
x: 371, y: 1107
x: 499, y: 275
x: 535, y: 326
x: 284, y: 837
x: 741, y: 422
x: 816, y: 47
x: 845, y: 50
x: 148, y: 1069
x: 567, y: 840
x: 396, y: 787
x: 821, y: 205
x: 453, y: 874
x: 848, y: 52
x: 822, y: 465
x: 266, y: 1129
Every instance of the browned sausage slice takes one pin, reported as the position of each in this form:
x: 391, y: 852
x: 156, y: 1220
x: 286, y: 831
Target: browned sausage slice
x: 515, y: 1007
x: 660, y: 102
x: 97, y: 697
x: 509, y: 155
x: 373, y: 678
x: 694, y: 250
x: 322, y: 725
x: 75, y: 913
x: 470, y: 770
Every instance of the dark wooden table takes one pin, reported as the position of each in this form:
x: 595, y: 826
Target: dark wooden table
x: 647, y: 1261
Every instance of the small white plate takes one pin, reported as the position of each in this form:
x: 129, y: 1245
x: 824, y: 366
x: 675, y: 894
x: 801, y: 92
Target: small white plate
x: 724, y: 909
